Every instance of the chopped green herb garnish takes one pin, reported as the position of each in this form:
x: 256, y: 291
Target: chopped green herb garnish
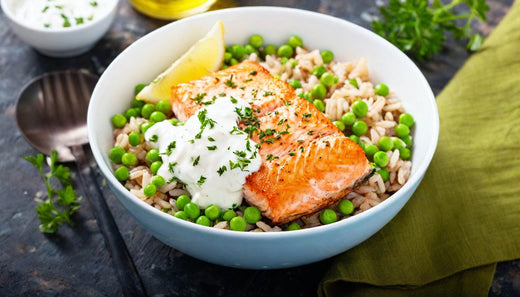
x: 201, y: 180
x: 45, y: 9
x: 310, y: 132
x: 221, y: 170
x: 195, y: 161
x: 53, y: 216
x: 212, y: 148
x: 291, y: 153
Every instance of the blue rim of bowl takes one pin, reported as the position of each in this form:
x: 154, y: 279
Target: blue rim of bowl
x: 417, y: 172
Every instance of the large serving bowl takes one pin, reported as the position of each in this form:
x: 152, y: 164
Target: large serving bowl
x: 150, y: 55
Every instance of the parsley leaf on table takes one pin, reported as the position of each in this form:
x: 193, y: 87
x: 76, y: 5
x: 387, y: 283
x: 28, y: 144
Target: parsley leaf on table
x: 418, y: 28
x: 52, y: 216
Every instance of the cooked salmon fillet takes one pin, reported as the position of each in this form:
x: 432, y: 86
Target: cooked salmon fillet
x: 247, y: 80
x: 307, y: 162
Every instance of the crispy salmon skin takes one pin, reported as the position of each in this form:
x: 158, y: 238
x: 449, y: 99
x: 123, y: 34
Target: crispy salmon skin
x: 307, y: 162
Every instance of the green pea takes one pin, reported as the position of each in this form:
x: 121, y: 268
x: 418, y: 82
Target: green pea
x: 227, y: 57
x: 371, y: 149
x: 327, y: 56
x: 306, y: 95
x: 362, y: 144
x: 132, y: 112
x: 157, y: 116
x: 318, y: 91
x: 381, y: 159
x: 319, y: 105
x: 119, y: 120
x: 406, y: 119
x: 138, y: 104
x: 154, y: 167
x: 256, y: 40
x: 158, y: 181
x: 129, y: 159
x: 192, y: 210
x: 354, y: 138
x: 381, y: 89
x: 144, y: 126
x: 237, y: 224
x: 249, y: 49
x: 122, y: 173
x: 384, y: 174
x: 138, y: 88
x: 318, y: 71
x: 228, y: 215
x: 328, y: 79
x: 153, y: 155
x: 398, y: 143
x: 147, y: 110
x: 401, y: 130
x: 295, y: 41
x: 233, y: 61
x: 212, y: 212
x: 293, y: 226
x: 174, y: 121
x: 134, y: 138
x: 359, y: 128
x: 385, y: 143
x: 407, y: 140
x: 348, y: 118
x: 116, y: 153
x: 149, y: 190
x: 182, y: 200
x: 360, y: 108
x: 181, y: 215
x: 203, y: 220
x: 285, y: 50
x: 328, y: 216
x: 238, y: 52
x: 270, y: 49
x: 339, y: 124
x: 405, y: 153
x: 252, y: 215
x: 346, y: 207
x: 296, y: 84
x: 163, y: 106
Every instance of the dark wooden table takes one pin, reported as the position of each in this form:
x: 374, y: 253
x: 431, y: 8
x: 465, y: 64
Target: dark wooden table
x: 75, y: 262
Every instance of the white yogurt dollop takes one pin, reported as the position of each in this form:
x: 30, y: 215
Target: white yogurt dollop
x: 209, y: 154
x: 58, y: 13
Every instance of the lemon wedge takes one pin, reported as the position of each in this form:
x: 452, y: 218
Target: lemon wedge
x: 203, y: 58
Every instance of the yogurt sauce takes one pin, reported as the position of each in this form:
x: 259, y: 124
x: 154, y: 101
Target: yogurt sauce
x: 209, y: 154
x: 58, y: 13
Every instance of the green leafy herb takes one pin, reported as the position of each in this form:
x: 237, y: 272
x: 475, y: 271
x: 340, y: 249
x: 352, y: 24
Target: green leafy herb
x: 52, y: 215
x: 418, y: 28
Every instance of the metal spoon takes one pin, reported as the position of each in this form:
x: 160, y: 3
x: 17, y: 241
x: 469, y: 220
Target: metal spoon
x: 51, y: 113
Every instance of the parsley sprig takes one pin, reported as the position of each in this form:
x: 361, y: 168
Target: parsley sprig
x: 418, y: 28
x: 52, y: 215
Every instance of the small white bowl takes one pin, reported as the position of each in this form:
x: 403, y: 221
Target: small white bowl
x: 150, y: 55
x: 61, y: 42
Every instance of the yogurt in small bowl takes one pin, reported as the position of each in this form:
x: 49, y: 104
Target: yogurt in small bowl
x: 60, y: 28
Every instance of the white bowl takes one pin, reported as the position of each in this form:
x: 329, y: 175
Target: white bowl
x: 60, y: 42
x: 148, y: 56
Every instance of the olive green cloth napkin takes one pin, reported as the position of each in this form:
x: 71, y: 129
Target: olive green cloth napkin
x: 465, y: 215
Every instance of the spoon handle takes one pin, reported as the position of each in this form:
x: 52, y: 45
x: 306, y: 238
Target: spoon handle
x: 127, y: 274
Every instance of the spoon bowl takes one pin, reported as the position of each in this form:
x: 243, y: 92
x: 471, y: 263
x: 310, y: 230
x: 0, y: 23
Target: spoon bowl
x: 51, y: 111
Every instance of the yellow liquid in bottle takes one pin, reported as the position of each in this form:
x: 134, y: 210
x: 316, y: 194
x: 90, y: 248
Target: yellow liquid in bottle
x: 171, y: 9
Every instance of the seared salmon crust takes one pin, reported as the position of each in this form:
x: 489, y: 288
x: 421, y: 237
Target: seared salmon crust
x: 307, y: 162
